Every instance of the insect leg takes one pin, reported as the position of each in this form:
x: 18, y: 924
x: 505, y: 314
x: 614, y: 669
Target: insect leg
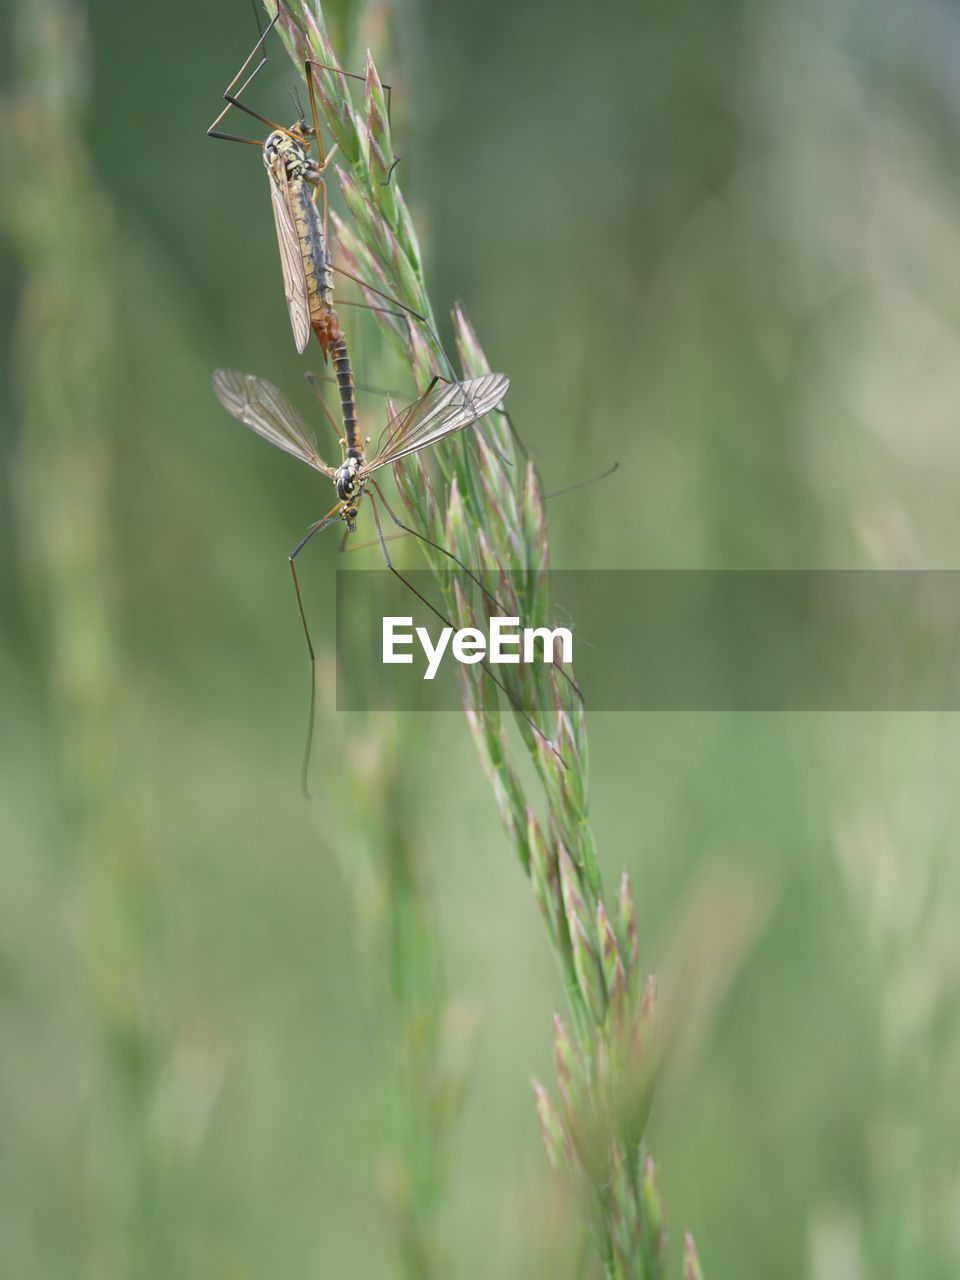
x: 582, y: 484
x: 447, y: 623
x: 436, y: 546
x: 383, y: 311
x: 436, y: 341
x: 261, y: 41
x: 308, y: 66
x: 232, y: 94
x: 339, y: 71
x: 320, y: 187
x: 324, y: 160
x: 341, y: 271
x: 329, y: 518
x: 233, y: 101
x: 314, y: 378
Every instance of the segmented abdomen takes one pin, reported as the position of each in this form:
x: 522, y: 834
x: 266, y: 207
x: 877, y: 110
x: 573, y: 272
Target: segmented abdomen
x: 316, y: 259
x: 348, y: 396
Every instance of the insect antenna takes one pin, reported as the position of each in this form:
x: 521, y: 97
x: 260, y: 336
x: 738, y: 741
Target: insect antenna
x: 297, y: 103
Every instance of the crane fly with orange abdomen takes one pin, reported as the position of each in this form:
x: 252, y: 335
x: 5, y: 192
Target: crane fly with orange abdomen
x: 296, y: 184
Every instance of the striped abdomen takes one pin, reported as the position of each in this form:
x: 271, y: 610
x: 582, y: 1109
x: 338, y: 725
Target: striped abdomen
x: 313, y: 249
x: 348, y: 396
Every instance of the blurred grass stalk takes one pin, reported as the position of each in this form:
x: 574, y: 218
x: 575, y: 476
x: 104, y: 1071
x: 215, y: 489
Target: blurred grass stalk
x: 908, y: 1223
x: 425, y: 1038
x: 606, y: 1059
x: 60, y: 225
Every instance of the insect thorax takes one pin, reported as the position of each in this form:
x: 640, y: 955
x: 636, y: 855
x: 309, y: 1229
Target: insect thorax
x: 351, y: 501
x: 291, y: 152
x: 349, y: 488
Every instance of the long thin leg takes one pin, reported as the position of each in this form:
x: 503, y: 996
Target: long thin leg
x: 308, y: 66
x: 232, y: 93
x: 517, y: 440
x: 339, y: 71
x: 214, y: 132
x: 387, y: 392
x: 582, y: 484
x: 242, y: 106
x: 372, y: 542
x: 329, y: 518
x: 435, y: 337
x: 233, y: 100
x: 231, y: 137
x: 320, y: 188
x: 436, y: 546
x: 433, y: 334
x: 231, y: 87
x: 364, y: 284
x: 256, y: 15
x: 307, y: 71
x: 447, y: 623
x: 406, y: 528
x: 367, y: 306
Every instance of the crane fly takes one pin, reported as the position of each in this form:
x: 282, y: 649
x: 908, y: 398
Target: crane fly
x: 443, y: 409
x: 296, y: 184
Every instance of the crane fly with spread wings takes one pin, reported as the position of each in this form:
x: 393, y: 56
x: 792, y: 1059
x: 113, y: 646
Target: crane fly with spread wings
x: 443, y: 409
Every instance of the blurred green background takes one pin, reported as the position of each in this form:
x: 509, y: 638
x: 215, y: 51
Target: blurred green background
x: 717, y: 242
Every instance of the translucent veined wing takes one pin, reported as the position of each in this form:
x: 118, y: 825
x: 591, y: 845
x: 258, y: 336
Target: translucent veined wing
x: 291, y: 259
x: 268, y: 412
x: 443, y: 409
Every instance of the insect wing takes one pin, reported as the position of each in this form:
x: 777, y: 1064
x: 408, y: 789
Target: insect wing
x: 291, y: 259
x: 447, y: 407
x: 268, y: 412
